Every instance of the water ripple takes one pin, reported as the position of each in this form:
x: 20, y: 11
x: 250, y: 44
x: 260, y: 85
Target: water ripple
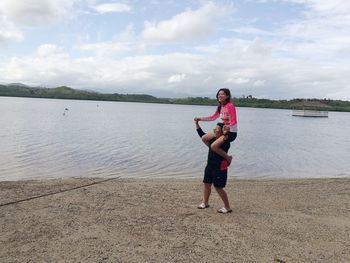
x: 160, y: 141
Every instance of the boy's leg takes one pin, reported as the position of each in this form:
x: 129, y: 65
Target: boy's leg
x: 223, y: 196
x: 207, y: 183
x: 215, y: 146
x: 206, y: 193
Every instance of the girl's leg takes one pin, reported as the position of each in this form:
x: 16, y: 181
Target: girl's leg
x: 207, y: 137
x: 215, y: 146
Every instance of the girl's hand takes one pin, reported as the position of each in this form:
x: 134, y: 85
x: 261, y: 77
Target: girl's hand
x: 196, y: 119
x: 196, y: 122
x: 226, y: 129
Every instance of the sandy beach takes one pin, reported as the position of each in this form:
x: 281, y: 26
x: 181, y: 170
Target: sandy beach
x: 156, y: 220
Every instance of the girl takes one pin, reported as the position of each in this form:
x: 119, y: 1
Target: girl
x: 227, y: 112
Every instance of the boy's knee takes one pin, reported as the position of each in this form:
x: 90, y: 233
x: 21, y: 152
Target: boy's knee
x: 220, y: 189
x: 207, y: 185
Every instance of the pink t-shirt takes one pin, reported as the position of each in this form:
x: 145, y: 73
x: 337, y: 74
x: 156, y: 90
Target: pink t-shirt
x: 227, y: 114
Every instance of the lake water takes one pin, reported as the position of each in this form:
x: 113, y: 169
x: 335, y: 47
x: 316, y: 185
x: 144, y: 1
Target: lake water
x: 108, y: 139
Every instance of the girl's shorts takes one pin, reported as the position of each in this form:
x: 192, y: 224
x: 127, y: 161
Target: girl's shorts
x: 231, y: 136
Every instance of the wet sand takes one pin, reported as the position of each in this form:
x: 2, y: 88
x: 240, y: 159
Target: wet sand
x: 139, y: 220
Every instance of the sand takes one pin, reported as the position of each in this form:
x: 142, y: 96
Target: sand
x: 144, y: 220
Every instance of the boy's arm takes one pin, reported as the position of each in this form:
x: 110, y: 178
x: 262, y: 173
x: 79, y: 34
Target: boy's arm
x: 199, y: 129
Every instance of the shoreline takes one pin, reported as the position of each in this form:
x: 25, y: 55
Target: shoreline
x: 186, y: 177
x: 135, y: 98
x: 156, y: 220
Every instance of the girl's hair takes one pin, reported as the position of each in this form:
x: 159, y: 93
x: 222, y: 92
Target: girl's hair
x: 228, y: 99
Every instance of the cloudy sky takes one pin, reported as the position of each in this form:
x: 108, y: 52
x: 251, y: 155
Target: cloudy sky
x: 278, y: 49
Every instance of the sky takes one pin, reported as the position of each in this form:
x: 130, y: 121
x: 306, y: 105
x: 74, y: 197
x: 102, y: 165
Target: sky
x: 275, y: 49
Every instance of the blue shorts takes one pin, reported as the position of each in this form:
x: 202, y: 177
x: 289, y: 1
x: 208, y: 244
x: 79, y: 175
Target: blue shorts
x: 215, y: 176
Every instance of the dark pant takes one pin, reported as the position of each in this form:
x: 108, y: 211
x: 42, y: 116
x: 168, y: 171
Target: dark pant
x: 215, y: 176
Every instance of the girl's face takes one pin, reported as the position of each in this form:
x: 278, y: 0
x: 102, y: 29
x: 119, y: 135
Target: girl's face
x: 222, y: 96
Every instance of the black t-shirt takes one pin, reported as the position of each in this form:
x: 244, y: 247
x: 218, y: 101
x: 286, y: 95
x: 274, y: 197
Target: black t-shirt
x: 214, y: 160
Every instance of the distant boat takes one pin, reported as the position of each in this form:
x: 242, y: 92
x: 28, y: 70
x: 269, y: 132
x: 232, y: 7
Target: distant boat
x: 310, y: 109
x: 310, y: 113
x: 65, y: 112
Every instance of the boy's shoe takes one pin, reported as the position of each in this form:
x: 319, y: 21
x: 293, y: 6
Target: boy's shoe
x: 202, y: 206
x: 224, y: 210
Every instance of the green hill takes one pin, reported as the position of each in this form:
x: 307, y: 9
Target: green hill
x: 63, y: 92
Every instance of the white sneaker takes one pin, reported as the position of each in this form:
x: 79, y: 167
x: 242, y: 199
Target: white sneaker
x: 202, y: 206
x: 224, y: 210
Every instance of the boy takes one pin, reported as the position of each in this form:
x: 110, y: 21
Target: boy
x: 215, y: 171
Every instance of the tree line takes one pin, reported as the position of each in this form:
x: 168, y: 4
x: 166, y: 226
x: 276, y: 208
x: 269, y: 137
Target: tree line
x: 64, y: 92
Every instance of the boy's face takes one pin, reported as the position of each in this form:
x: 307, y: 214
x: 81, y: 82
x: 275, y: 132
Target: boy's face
x: 217, y: 131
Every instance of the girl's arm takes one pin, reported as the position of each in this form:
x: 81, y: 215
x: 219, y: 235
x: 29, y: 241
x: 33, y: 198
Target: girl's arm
x: 232, y: 111
x: 211, y: 117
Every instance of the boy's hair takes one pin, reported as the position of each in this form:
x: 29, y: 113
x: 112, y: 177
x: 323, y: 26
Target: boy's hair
x: 220, y: 124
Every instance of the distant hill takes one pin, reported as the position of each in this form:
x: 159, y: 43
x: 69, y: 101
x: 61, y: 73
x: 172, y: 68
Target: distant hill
x: 17, y: 84
x: 63, y: 92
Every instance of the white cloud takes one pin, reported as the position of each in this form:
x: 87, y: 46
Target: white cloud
x: 111, y: 8
x: 325, y: 6
x: 322, y: 35
x: 46, y: 50
x: 50, y: 66
x: 257, y: 47
x: 14, y: 14
x: 177, y: 78
x: 8, y: 32
x: 207, y: 79
x: 250, y: 30
x: 237, y: 80
x: 128, y: 34
x: 306, y: 57
x: 104, y: 48
x: 247, y: 73
x: 187, y: 25
x: 32, y: 12
x: 259, y: 83
x: 121, y: 43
